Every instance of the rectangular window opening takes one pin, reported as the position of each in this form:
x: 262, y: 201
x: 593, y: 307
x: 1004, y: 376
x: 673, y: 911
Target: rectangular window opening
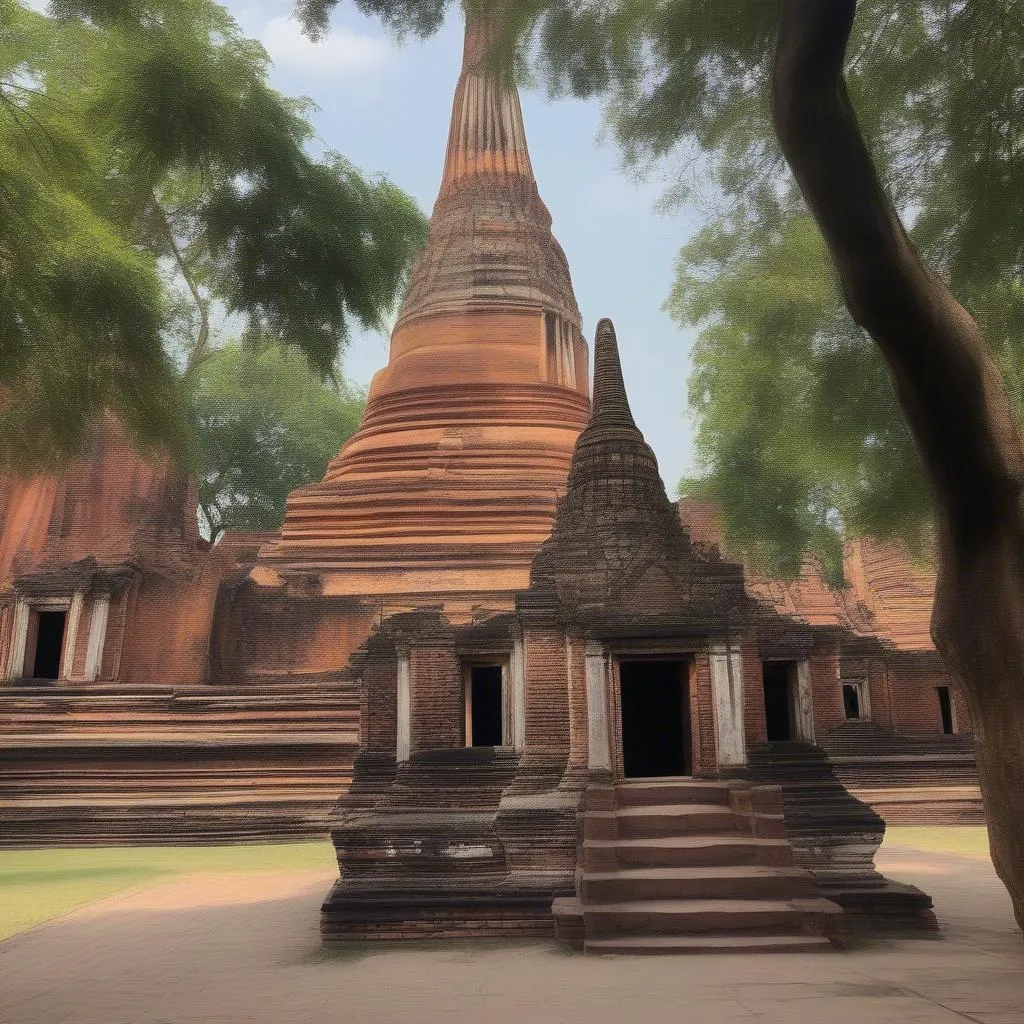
x: 550, y: 346
x: 946, y: 710
x: 46, y: 644
x: 484, y: 706
x: 851, y: 701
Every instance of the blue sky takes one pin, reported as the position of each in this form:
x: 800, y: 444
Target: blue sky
x: 386, y: 107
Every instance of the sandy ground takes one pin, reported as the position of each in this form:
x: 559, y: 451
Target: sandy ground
x: 232, y: 948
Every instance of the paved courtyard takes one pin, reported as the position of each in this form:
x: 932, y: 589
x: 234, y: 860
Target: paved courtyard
x: 233, y: 948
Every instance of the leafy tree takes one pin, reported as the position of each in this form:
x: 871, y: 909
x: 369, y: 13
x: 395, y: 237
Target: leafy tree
x: 936, y: 84
x: 81, y: 312
x: 157, y: 165
x: 267, y: 423
x: 943, y: 124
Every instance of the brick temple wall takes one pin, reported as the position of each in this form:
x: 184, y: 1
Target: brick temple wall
x: 262, y: 633
x: 826, y: 689
x: 547, y: 697
x: 437, y: 699
x: 577, y: 698
x: 915, y: 701
x: 377, y: 721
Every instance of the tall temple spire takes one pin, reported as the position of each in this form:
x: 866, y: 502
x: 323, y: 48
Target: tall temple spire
x: 615, y: 526
x: 490, y: 244
x: 486, y: 134
x: 611, y: 446
x: 610, y: 404
x: 451, y: 482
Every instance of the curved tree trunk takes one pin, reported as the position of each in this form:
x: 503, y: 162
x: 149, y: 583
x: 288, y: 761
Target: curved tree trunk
x: 951, y: 393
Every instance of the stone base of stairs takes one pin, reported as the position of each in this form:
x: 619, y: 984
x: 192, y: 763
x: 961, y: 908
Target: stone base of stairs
x: 687, y: 866
x: 835, y: 836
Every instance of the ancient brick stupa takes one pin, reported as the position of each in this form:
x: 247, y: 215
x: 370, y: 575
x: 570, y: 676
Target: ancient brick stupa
x: 450, y: 484
x: 159, y: 688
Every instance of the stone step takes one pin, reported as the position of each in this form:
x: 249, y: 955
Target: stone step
x: 687, y: 917
x: 658, y: 792
x: 740, y: 881
x: 661, y: 820
x: 708, y: 943
x: 686, y: 851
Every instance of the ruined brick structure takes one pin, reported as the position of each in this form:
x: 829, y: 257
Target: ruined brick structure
x: 158, y: 688
x: 494, y: 787
x: 450, y: 484
x: 111, y: 728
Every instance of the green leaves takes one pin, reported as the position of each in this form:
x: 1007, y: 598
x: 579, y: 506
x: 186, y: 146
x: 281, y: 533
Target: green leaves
x: 799, y: 433
x: 302, y: 250
x: 81, y: 311
x: 938, y: 92
x: 145, y: 159
x: 266, y: 425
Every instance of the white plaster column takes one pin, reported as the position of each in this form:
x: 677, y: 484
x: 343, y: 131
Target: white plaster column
x: 803, y: 704
x: 97, y: 637
x: 71, y: 634
x: 15, y: 668
x: 403, y: 732
x: 516, y: 735
x: 599, y: 751
x: 727, y: 688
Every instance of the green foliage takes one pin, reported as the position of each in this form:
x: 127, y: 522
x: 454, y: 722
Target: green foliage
x: 800, y: 435
x: 799, y: 429
x: 267, y: 423
x: 149, y: 175
x: 81, y: 308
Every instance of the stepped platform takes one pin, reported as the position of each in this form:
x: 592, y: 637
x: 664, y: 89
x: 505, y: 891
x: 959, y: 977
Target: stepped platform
x: 680, y: 866
x: 908, y: 780
x: 468, y: 842
x: 835, y: 836
x: 96, y: 765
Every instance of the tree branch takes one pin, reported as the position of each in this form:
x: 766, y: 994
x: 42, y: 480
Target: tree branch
x: 198, y: 352
x: 948, y: 384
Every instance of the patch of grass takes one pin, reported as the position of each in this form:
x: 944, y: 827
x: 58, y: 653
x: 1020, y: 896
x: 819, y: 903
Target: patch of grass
x: 36, y: 885
x: 966, y: 840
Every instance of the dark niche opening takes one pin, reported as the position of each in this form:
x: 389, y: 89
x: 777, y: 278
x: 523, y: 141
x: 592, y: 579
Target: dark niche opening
x: 485, y: 706
x: 851, y: 701
x: 655, y: 706
x: 777, y: 682
x: 946, y: 710
x: 49, y: 645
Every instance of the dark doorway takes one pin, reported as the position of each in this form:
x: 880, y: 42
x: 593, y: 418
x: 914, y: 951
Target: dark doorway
x: 946, y: 710
x: 485, y: 706
x: 49, y: 645
x: 776, y: 679
x: 655, y: 718
x: 851, y: 701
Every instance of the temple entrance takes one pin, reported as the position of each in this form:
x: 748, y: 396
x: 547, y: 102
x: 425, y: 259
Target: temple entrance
x: 778, y: 683
x: 655, y: 705
x: 484, y: 706
x: 49, y: 644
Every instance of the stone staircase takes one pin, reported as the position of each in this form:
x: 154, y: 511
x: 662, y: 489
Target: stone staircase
x: 683, y: 866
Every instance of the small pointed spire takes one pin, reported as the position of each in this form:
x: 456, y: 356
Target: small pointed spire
x: 610, y: 404
x: 487, y: 134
